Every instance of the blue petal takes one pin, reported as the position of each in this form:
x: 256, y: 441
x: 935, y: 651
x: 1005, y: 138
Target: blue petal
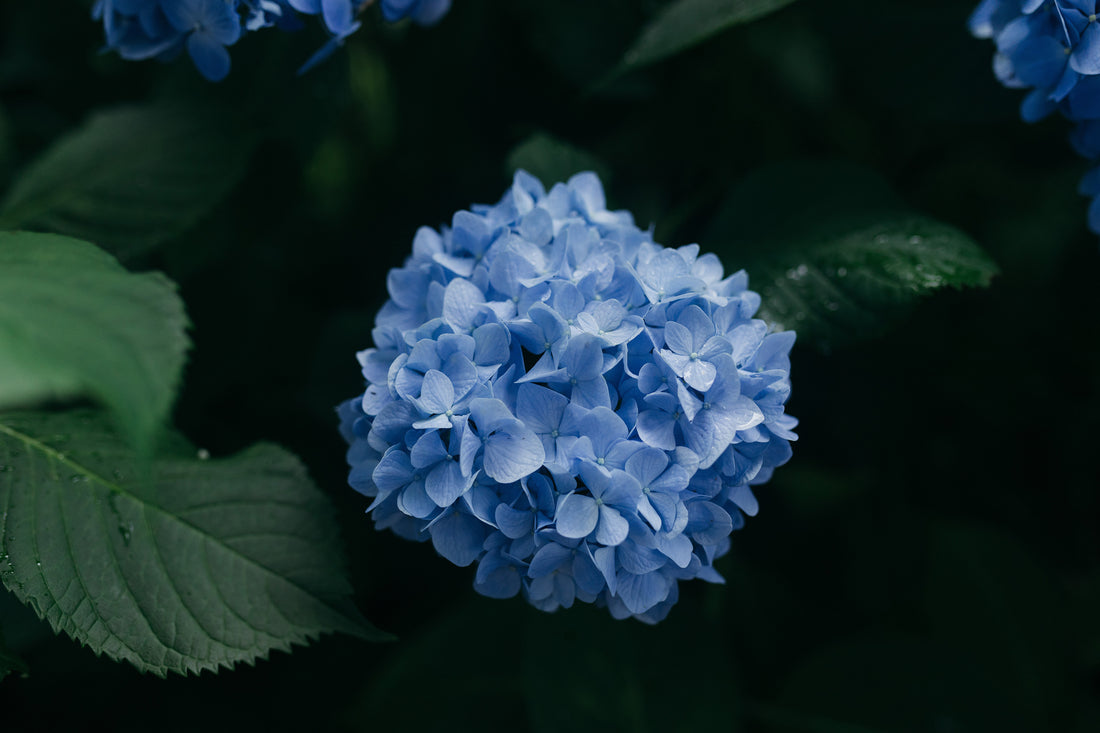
x: 612, y: 528
x: 675, y: 547
x: 1086, y: 57
x: 497, y: 578
x: 549, y: 558
x: 393, y: 471
x: 709, y: 523
x: 1040, y: 61
x: 446, y: 483
x: 604, y: 559
x: 699, y: 374
x: 437, y: 394
x: 638, y: 560
x: 655, y: 427
x: 458, y: 537
x: 513, y: 452
x: 540, y: 408
x: 577, y: 516
x: 210, y: 57
x: 462, y: 301
x: 414, y: 501
x: 642, y: 592
x: 514, y: 523
x: 427, y: 450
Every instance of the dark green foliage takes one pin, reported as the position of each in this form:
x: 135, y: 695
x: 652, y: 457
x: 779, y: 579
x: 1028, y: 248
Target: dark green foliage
x: 926, y: 562
x: 74, y: 323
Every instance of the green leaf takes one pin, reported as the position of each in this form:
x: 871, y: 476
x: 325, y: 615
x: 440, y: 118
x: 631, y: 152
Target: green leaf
x: 130, y: 178
x: 74, y: 322
x: 685, y: 23
x: 552, y: 160
x: 834, y: 255
x: 185, y: 566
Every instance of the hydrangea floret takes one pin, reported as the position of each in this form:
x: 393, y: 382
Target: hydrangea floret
x: 162, y: 29
x: 1052, y: 48
x: 560, y: 400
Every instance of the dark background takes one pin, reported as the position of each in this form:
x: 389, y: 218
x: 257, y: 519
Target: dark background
x: 928, y: 560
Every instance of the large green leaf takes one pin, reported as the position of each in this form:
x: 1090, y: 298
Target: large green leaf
x: 684, y: 23
x: 182, y: 566
x: 832, y: 252
x: 130, y: 178
x: 74, y: 322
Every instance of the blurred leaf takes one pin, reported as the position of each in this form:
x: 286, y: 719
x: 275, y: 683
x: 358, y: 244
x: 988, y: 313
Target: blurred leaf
x: 130, y: 178
x: 468, y: 656
x: 891, y: 683
x: 195, y: 565
x: 74, y: 322
x: 8, y: 661
x: 672, y: 676
x: 834, y: 255
x: 684, y: 23
x: 988, y: 595
x: 552, y: 160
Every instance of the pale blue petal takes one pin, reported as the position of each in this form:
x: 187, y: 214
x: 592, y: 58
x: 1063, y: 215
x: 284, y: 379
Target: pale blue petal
x: 514, y: 523
x: 513, y: 452
x: 549, y: 558
x: 446, y: 483
x: 604, y: 559
x: 642, y: 592
x: 699, y: 374
x: 437, y: 394
x: 462, y: 301
x: 612, y: 528
x: 577, y: 516
x: 415, y: 502
x: 675, y: 547
x: 428, y: 450
x: 1086, y: 56
x: 458, y: 537
x: 393, y: 471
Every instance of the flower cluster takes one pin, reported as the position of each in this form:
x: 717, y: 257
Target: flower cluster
x: 1051, y: 47
x: 162, y: 29
x: 575, y: 408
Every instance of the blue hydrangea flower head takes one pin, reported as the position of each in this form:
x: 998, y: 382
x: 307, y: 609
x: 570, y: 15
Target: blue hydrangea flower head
x: 574, y: 408
x: 162, y: 29
x: 1052, y: 48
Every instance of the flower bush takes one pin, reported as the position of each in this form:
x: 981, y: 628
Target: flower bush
x: 162, y: 29
x: 1051, y: 47
x: 559, y: 399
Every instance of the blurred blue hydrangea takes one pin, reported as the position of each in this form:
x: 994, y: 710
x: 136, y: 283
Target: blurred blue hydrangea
x: 573, y: 407
x: 1051, y: 47
x: 162, y: 29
